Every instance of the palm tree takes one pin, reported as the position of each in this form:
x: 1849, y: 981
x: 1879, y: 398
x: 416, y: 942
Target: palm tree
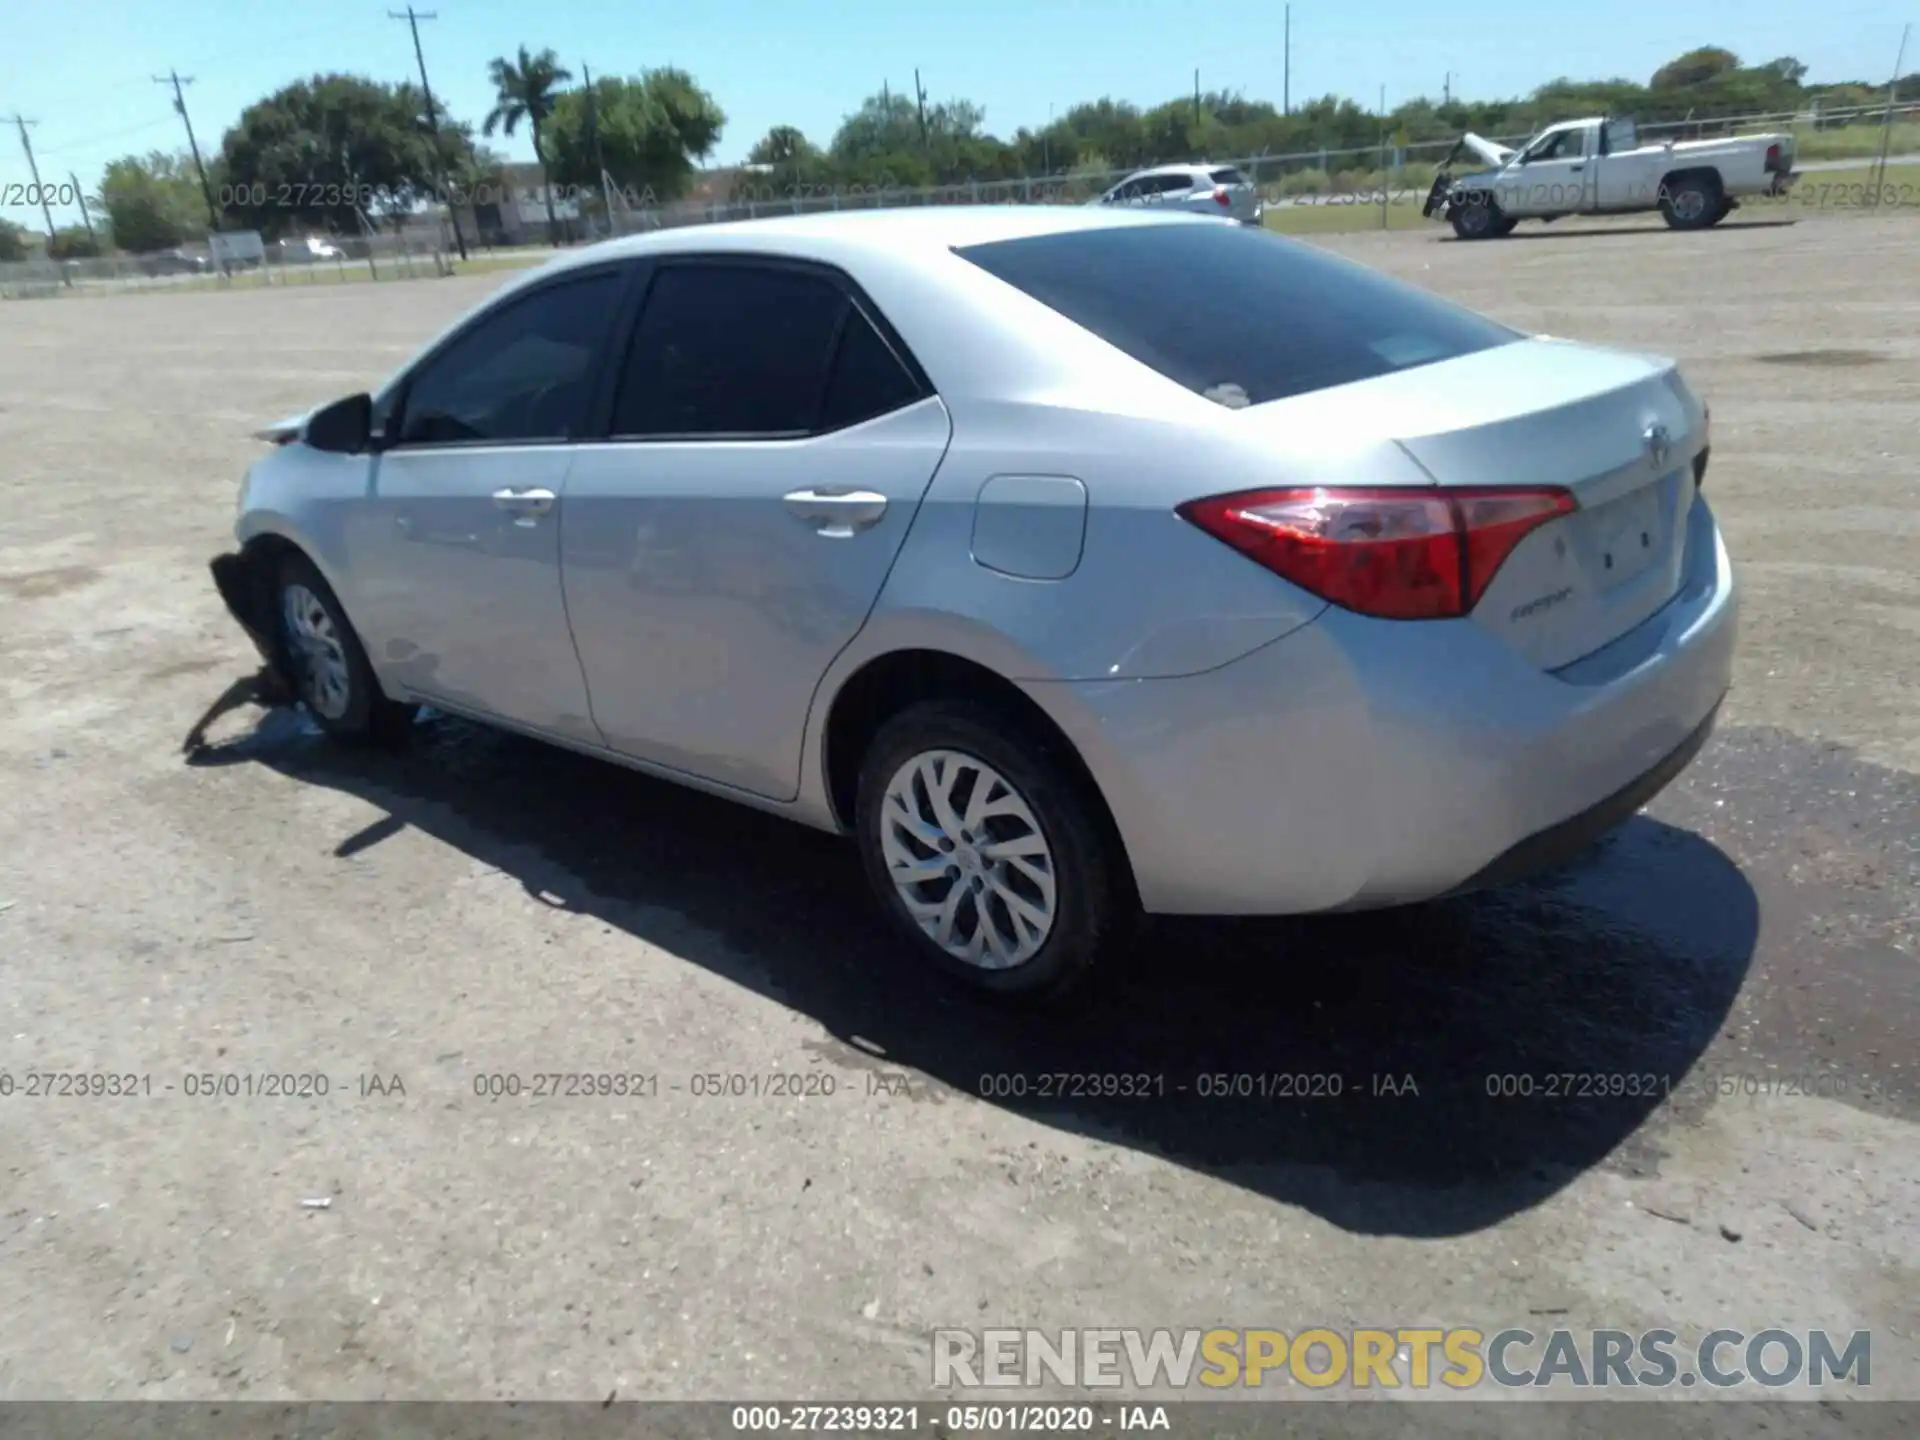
x: 528, y: 91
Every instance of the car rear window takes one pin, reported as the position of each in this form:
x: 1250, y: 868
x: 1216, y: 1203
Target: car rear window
x: 1227, y: 175
x: 1237, y: 315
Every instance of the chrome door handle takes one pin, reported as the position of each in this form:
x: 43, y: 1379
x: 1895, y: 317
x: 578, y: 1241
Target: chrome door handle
x: 524, y: 502
x: 837, y: 513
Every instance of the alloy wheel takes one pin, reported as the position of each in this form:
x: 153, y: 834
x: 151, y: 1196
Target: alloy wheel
x: 318, y: 656
x: 969, y: 859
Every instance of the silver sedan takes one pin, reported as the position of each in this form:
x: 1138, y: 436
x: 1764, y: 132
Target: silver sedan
x: 1077, y: 563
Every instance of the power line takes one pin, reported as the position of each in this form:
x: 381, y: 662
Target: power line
x: 413, y: 19
x: 69, y: 146
x: 174, y: 78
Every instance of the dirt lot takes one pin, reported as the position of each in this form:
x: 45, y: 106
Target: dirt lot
x: 482, y: 905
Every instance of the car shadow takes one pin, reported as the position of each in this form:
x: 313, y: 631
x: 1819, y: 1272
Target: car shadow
x: 1556, y: 233
x: 1370, y: 1068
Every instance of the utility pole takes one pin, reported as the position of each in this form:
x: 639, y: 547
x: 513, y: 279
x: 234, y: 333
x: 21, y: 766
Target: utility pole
x: 85, y: 218
x: 33, y: 169
x: 1383, y: 157
x: 433, y: 120
x: 1446, y: 89
x: 1196, y: 96
x: 176, y: 80
x: 1286, y: 64
x: 920, y: 105
x: 593, y: 138
x: 1886, y: 125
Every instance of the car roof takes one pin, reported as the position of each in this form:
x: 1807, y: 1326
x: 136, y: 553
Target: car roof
x: 1185, y: 169
x: 927, y: 229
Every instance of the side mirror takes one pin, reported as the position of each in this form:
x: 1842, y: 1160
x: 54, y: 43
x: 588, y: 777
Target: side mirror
x: 342, y: 428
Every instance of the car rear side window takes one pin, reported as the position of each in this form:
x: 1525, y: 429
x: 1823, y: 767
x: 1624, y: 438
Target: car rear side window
x: 522, y: 372
x: 729, y: 349
x: 1237, y: 315
x: 868, y: 378
x: 1227, y: 175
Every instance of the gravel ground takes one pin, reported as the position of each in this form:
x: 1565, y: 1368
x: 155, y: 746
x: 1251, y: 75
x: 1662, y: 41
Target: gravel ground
x: 407, y: 925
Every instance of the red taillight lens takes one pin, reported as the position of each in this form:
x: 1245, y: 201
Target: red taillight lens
x: 1773, y: 157
x: 1396, y: 553
x: 1221, y: 197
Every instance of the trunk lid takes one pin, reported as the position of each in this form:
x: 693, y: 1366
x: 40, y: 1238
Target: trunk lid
x: 1618, y: 430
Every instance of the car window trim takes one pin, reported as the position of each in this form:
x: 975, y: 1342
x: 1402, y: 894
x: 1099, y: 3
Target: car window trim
x: 630, y: 271
x: 849, y: 288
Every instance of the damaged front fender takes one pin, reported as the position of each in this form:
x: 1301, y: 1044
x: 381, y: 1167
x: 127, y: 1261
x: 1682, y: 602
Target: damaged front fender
x: 245, y: 584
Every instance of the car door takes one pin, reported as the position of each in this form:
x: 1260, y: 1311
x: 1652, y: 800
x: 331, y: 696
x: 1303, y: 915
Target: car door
x: 455, y: 549
x: 1552, y: 180
x: 1621, y: 180
x: 769, y: 445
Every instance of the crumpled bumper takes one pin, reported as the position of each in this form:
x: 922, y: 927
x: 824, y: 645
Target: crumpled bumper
x: 243, y: 586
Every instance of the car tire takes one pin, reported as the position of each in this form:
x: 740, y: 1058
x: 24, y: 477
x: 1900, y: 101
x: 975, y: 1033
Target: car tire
x: 324, y: 663
x: 1029, y: 923
x: 1478, y: 217
x: 1691, y: 202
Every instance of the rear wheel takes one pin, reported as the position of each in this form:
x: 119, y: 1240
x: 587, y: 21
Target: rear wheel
x: 988, y: 851
x: 1691, y: 202
x: 323, y: 659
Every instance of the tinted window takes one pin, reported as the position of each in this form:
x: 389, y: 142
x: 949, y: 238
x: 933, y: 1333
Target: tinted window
x: 1227, y: 175
x: 1238, y: 315
x: 868, y: 379
x: 524, y: 372
x: 730, y: 350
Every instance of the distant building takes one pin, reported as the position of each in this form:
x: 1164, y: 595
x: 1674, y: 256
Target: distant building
x: 509, y: 207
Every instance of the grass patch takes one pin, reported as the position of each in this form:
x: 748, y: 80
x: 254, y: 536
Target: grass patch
x: 1854, y: 142
x: 1343, y: 216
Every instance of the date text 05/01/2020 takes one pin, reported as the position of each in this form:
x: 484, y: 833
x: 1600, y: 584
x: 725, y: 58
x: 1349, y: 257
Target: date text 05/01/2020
x: 862, y: 1419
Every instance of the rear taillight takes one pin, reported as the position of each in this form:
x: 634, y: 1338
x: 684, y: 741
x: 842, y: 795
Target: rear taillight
x: 1221, y: 197
x: 1396, y: 553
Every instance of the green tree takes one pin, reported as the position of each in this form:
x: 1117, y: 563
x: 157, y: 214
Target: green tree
x: 320, y: 153
x: 152, y: 203
x: 13, y: 243
x: 527, y: 89
x: 1694, y: 67
x: 72, y: 242
x: 651, y: 129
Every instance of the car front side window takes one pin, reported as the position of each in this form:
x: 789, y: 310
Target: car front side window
x: 523, y: 372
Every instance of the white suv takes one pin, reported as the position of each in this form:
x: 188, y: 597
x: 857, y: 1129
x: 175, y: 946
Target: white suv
x: 1205, y: 189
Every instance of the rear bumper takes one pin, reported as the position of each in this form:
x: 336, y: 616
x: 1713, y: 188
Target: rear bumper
x: 1782, y: 182
x: 1561, y: 844
x: 1357, y: 763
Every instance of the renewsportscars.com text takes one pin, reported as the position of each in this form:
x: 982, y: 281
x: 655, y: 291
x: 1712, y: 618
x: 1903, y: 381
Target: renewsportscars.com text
x: 1415, y: 1358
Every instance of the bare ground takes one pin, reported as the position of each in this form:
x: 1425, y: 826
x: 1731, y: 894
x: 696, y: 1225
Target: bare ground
x: 483, y: 905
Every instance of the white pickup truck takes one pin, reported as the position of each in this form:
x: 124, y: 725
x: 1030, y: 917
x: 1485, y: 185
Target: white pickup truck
x: 1599, y: 167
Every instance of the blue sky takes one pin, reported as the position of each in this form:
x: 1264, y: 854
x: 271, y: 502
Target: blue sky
x: 84, y: 72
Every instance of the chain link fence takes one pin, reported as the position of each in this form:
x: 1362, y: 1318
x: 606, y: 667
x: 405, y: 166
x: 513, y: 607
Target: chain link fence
x: 1374, y: 173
